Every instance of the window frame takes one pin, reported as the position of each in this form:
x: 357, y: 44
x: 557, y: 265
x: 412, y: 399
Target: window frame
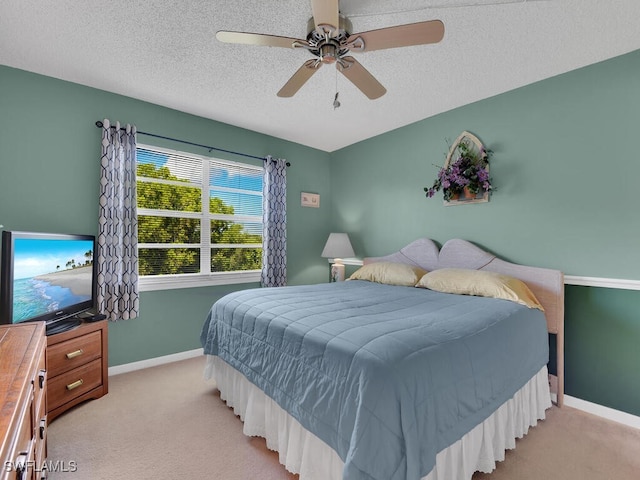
x: 208, y: 278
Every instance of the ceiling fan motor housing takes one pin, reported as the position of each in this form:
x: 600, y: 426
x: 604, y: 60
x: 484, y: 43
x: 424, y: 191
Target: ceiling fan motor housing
x: 327, y: 44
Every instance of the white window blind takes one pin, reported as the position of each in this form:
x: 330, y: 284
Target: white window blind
x: 199, y: 219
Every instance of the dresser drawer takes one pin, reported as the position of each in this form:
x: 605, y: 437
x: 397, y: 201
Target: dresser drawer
x: 72, y: 384
x: 72, y: 353
x: 21, y: 458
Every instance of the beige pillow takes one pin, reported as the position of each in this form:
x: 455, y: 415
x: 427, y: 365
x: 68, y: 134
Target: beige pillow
x: 389, y: 273
x: 480, y: 283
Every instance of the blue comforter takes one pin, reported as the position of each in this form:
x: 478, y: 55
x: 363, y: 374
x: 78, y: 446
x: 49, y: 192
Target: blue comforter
x: 387, y: 376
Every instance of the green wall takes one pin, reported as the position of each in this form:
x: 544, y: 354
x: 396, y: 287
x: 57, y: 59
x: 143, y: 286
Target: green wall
x: 602, y: 336
x: 565, y: 166
x: 49, y: 173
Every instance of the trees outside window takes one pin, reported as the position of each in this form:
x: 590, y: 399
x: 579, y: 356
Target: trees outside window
x: 176, y: 235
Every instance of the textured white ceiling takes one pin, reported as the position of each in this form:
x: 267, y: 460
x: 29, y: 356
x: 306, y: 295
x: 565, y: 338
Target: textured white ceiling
x: 165, y: 52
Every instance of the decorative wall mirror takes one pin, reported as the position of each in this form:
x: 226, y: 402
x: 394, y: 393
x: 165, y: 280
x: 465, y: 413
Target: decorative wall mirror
x: 464, y: 177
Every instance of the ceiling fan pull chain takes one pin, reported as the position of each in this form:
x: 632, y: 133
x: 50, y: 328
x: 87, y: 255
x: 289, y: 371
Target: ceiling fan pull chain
x: 336, y: 103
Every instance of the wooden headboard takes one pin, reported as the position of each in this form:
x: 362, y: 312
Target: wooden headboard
x: 546, y: 284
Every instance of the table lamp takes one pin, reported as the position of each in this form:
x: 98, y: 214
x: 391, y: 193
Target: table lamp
x: 337, y: 247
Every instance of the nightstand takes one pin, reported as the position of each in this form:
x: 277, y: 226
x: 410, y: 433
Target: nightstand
x: 337, y: 270
x: 77, y: 366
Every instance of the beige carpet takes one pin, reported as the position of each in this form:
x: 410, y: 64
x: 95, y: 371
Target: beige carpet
x: 166, y: 423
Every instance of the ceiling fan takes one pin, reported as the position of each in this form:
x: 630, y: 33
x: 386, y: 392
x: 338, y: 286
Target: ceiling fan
x: 330, y: 41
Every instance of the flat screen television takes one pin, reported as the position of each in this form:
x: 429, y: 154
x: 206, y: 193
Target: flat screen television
x: 46, y: 277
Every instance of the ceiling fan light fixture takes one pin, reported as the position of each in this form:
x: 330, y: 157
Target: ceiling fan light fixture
x: 327, y: 53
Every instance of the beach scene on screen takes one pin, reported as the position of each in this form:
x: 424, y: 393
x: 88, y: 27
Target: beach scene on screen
x: 50, y: 275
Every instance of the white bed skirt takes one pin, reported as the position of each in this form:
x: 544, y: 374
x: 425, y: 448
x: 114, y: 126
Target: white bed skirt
x: 303, y: 453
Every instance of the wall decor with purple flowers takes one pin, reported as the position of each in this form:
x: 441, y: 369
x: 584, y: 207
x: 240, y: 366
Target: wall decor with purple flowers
x: 464, y: 178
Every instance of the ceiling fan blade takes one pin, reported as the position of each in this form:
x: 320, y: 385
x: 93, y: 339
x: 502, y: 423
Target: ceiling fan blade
x: 325, y: 12
x: 420, y: 33
x: 259, y: 39
x: 360, y: 77
x: 304, y: 73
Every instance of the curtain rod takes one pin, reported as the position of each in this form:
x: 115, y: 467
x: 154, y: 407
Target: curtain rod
x: 99, y: 124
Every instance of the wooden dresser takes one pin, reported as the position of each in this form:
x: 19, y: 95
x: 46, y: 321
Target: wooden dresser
x: 23, y: 393
x: 77, y: 365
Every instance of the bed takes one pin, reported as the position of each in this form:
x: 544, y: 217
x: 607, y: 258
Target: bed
x: 373, y: 380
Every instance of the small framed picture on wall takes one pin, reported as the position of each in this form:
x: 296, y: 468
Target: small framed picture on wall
x: 310, y: 200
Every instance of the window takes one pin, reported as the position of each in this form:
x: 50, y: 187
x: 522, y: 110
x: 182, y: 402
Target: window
x: 182, y: 244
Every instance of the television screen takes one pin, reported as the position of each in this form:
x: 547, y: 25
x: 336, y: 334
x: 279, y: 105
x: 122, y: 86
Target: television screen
x: 46, y: 276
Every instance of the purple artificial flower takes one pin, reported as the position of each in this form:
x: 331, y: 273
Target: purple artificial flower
x: 469, y: 169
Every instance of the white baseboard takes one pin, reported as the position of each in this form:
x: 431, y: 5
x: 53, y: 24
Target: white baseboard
x: 604, y: 412
x: 592, y: 408
x: 152, y: 362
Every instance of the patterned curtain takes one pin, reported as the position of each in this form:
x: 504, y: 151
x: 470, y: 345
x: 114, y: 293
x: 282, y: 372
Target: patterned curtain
x: 118, y: 224
x: 274, y: 235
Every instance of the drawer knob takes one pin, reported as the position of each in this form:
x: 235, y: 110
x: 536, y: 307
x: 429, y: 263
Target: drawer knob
x: 41, y: 376
x: 75, y: 354
x: 75, y: 384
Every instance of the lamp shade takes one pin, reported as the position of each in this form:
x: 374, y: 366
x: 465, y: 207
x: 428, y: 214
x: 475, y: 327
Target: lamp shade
x: 338, y: 246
